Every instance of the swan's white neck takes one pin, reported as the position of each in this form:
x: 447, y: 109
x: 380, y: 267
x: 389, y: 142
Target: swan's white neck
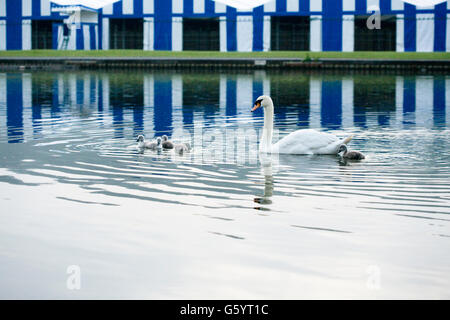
x: 265, y: 144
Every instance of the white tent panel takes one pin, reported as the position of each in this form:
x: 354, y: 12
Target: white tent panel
x: 315, y: 5
x: 109, y: 9
x: 241, y: 4
x: 424, y: 3
x: 45, y: 7
x: 316, y: 33
x: 223, y: 34
x: 270, y: 6
x: 105, y: 34
x: 400, y: 33
x: 149, y: 6
x: 177, y: 6
x: 397, y: 5
x: 348, y: 5
x: 86, y: 38
x: 127, y: 6
x: 26, y: 8
x: 348, y: 31
x: 266, y: 34
x: 2, y: 8
x: 448, y: 34
x: 425, y: 32
x: 199, y: 6
x: 92, y: 4
x: 26, y: 35
x: 149, y: 33
x: 177, y: 34
x: 292, y: 5
x: 244, y: 30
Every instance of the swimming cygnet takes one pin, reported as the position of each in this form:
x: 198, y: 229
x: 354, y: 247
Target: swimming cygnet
x: 182, y: 148
x: 350, y: 155
x: 166, y: 144
x: 153, y: 145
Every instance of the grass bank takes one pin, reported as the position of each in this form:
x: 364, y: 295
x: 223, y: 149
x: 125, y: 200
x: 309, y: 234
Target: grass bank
x: 214, y: 54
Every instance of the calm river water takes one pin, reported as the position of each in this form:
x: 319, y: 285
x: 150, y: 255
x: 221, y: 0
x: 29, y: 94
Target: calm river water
x: 79, y: 201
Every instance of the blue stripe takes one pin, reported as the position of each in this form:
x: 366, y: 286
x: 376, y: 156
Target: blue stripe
x: 360, y: 6
x: 55, y: 110
x: 138, y: 7
x: 303, y: 117
x: 100, y: 30
x: 118, y: 121
x: 258, y: 88
x: 230, y: 109
x: 36, y: 8
x: 188, y: 7
x: 163, y: 105
x: 14, y: 25
x: 163, y: 25
x: 117, y: 8
x: 92, y: 36
x: 409, y: 95
x: 100, y: 98
x: 359, y: 116
x: 55, y: 35
x: 281, y: 6
x: 385, y: 6
x: 231, y: 29
x: 439, y: 101
x: 138, y: 118
x: 14, y: 107
x: 304, y: 6
x: 258, y: 26
x: 440, y: 26
x: 80, y: 41
x: 331, y: 108
x: 80, y: 91
x: 332, y: 25
x: 209, y: 6
x: 410, y: 27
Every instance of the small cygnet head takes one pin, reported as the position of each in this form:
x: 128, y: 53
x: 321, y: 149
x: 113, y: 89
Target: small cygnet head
x: 158, y: 141
x: 164, y: 138
x: 342, y: 149
x: 188, y: 145
x: 140, y: 138
x: 262, y: 101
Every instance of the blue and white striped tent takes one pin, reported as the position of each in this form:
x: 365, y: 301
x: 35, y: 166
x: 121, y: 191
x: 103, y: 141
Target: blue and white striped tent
x: 332, y: 23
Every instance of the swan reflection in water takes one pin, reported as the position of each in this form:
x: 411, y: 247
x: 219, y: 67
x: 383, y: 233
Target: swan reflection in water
x: 266, y: 161
x: 300, y: 169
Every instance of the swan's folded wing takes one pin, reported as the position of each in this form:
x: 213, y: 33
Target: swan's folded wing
x: 306, y: 141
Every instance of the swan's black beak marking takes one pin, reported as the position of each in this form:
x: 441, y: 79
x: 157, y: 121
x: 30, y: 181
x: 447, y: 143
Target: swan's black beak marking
x: 257, y: 105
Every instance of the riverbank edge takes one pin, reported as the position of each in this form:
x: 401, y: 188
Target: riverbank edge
x: 82, y: 63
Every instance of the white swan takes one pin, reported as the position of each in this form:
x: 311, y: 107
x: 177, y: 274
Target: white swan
x: 305, y: 141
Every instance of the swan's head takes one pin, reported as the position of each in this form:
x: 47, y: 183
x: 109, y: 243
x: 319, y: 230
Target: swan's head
x: 158, y: 141
x: 164, y: 138
x: 342, y: 149
x: 262, y: 101
x: 140, y: 138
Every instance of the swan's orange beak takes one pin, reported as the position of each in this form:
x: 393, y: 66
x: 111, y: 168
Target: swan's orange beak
x: 257, y: 105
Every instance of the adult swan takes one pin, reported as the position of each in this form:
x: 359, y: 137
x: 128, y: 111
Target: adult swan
x: 306, y: 141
